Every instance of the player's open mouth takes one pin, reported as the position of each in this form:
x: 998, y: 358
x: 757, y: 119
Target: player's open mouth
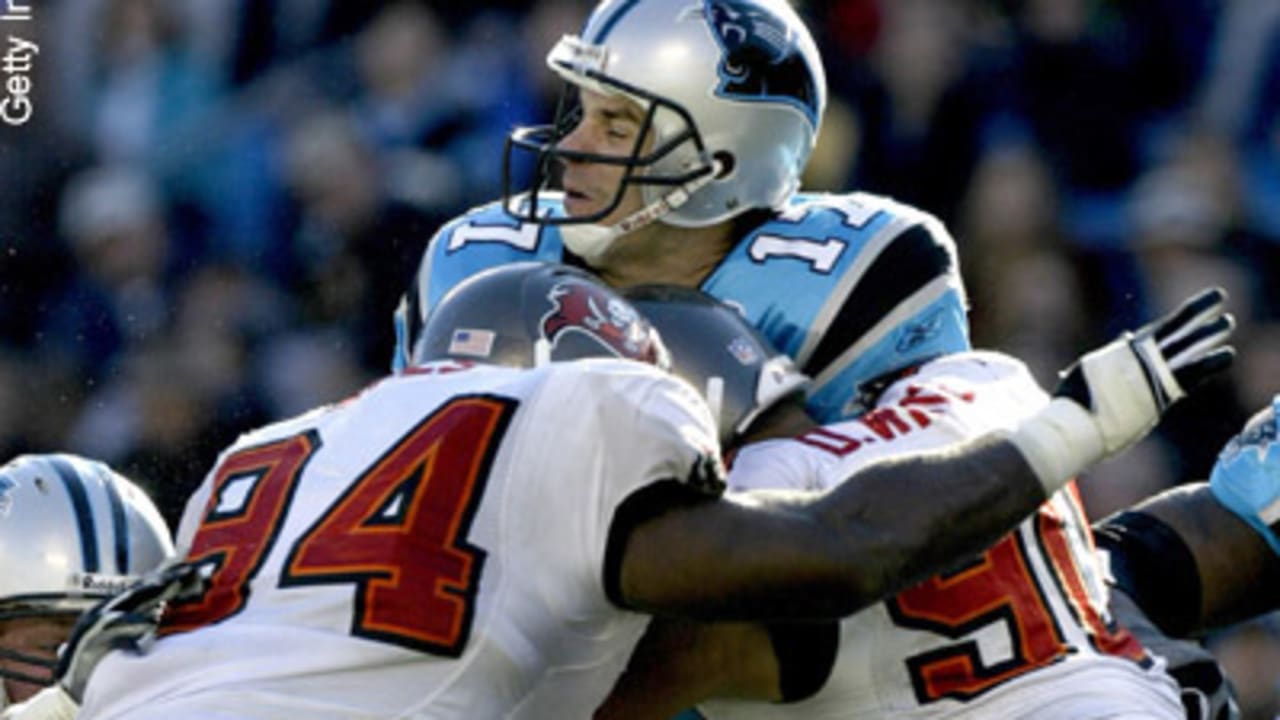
x: 576, y: 201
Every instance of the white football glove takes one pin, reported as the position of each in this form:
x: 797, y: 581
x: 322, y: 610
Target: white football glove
x: 1246, y: 477
x: 127, y: 620
x: 1112, y: 397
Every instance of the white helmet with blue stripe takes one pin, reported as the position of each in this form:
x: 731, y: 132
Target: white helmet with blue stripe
x: 72, y: 532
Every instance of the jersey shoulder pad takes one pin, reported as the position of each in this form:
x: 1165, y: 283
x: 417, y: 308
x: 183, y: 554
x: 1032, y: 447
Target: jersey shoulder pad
x: 979, y: 390
x: 487, y: 224
x: 651, y: 416
x: 841, y: 235
x: 979, y: 367
x: 849, y: 214
x: 480, y: 238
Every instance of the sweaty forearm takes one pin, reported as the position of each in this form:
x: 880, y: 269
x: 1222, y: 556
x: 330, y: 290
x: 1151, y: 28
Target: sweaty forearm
x: 910, y: 518
x: 778, y: 555
x: 1238, y: 575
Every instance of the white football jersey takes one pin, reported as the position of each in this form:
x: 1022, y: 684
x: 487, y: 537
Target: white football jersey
x: 434, y: 547
x: 1021, y: 631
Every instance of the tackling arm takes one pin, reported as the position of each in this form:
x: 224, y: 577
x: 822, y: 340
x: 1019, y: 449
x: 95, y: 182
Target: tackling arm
x: 775, y: 556
x: 782, y: 555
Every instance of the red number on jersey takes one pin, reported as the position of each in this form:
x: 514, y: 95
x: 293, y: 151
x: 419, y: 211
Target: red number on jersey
x: 398, y: 532
x: 1000, y: 587
x: 251, y: 490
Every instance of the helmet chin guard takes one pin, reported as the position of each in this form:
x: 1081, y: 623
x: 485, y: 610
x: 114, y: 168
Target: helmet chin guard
x: 591, y: 241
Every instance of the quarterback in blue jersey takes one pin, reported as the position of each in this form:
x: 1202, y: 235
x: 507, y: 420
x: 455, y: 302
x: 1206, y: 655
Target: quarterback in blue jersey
x: 683, y: 167
x: 833, y: 304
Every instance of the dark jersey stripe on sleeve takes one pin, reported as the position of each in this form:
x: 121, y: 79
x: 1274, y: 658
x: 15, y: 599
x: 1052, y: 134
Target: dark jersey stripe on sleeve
x: 909, y: 262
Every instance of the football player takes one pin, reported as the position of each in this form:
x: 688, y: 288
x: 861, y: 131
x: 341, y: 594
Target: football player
x: 72, y: 532
x: 478, y: 535
x: 1020, y: 630
x: 683, y: 166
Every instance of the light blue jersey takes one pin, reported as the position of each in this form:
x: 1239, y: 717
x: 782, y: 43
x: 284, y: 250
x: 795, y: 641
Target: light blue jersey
x: 851, y: 286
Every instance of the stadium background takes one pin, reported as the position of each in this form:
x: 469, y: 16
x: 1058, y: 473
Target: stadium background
x: 216, y: 204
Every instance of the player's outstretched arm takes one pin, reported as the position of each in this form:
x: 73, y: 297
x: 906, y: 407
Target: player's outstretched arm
x: 775, y: 555
x: 1205, y: 555
x: 794, y: 555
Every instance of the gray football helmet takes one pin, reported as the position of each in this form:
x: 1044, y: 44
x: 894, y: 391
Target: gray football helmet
x: 530, y: 313
x: 732, y: 91
x: 715, y: 349
x: 72, y: 532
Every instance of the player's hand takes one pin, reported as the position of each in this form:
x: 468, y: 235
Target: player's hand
x: 1126, y: 385
x: 1246, y: 478
x: 127, y: 620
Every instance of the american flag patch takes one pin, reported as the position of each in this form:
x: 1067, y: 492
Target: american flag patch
x: 476, y: 343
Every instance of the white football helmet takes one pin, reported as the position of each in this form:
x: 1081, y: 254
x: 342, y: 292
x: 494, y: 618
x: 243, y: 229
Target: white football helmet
x: 732, y: 90
x: 72, y: 532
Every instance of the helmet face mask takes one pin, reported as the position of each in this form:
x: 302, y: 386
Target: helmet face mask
x: 640, y: 167
x: 732, y: 92
x: 28, y: 652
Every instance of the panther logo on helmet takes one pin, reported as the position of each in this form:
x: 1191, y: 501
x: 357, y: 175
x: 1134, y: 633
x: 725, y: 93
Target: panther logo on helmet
x: 583, y: 307
x: 761, y: 58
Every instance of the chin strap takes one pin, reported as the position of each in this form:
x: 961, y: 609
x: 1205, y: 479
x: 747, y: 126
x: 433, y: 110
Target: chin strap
x: 590, y: 241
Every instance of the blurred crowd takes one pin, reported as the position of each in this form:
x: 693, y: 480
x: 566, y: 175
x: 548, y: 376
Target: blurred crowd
x: 213, y: 211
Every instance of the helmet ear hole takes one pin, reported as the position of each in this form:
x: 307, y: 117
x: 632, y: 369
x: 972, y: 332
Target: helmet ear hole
x: 726, y: 161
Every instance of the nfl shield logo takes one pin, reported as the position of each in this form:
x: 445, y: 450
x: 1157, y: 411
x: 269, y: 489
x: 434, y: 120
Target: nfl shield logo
x: 742, y: 349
